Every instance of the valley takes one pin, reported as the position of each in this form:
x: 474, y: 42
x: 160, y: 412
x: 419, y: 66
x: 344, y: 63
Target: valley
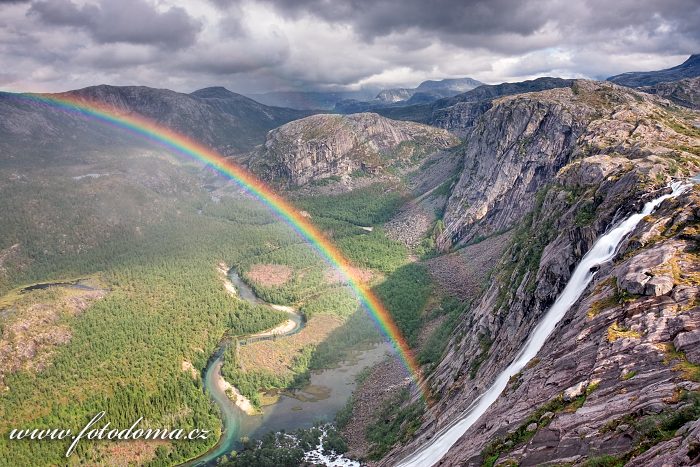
x: 534, y: 246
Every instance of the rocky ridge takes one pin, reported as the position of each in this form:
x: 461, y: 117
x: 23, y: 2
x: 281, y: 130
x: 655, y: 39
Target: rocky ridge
x: 325, y: 146
x: 460, y: 112
x: 425, y: 92
x: 524, y: 140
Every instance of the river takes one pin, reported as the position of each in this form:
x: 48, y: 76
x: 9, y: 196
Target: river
x: 326, y: 393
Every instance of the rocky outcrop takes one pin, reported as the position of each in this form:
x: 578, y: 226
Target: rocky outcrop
x: 622, y: 365
x: 612, y: 361
x: 611, y: 373
x: 323, y: 146
x: 523, y: 141
x: 459, y: 113
x: 685, y: 92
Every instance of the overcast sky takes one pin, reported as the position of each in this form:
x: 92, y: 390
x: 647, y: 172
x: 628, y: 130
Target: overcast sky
x: 255, y: 46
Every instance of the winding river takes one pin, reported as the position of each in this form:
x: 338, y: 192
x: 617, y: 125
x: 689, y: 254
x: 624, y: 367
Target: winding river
x: 320, y: 400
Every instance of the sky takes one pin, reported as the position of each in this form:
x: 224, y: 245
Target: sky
x: 281, y: 45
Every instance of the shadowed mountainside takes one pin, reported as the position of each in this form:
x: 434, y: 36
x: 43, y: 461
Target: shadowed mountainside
x: 224, y: 120
x: 688, y: 69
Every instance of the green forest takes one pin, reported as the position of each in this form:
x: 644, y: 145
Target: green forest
x: 404, y: 287
x: 155, y: 248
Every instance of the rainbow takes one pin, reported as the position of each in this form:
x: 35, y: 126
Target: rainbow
x: 284, y: 209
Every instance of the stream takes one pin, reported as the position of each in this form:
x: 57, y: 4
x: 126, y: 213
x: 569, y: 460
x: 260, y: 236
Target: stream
x: 602, y: 251
x: 326, y: 393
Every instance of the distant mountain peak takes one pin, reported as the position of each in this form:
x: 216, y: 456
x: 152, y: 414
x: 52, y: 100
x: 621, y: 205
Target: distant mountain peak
x: 214, y: 92
x: 688, y: 69
x: 458, y: 84
x: 428, y: 91
x: 693, y: 60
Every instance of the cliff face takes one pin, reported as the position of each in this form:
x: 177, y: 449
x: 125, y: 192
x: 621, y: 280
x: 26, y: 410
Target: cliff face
x: 620, y: 374
x: 623, y: 363
x: 520, y: 144
x: 323, y: 146
x: 459, y: 113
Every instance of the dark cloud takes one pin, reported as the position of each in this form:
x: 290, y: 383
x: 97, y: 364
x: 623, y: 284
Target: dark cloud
x: 235, y: 57
x: 508, y: 26
x: 129, y: 21
x: 259, y: 45
x: 383, y: 17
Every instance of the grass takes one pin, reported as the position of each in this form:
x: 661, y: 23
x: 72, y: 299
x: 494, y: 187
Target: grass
x: 606, y: 303
x: 396, y: 422
x: 618, y: 297
x: 617, y: 331
x: 604, y: 461
x: 432, y: 351
x: 690, y: 371
x: 650, y: 430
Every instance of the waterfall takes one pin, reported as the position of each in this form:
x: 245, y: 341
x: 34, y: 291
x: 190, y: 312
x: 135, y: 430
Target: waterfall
x: 602, y: 251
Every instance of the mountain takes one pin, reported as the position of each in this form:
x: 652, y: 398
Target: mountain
x: 688, y: 69
x: 310, y: 100
x: 427, y: 91
x: 544, y: 175
x: 339, y: 100
x: 448, y: 85
x: 390, y: 96
x: 217, y: 117
x: 685, y: 92
x: 334, y: 146
x: 469, y: 241
x: 458, y: 113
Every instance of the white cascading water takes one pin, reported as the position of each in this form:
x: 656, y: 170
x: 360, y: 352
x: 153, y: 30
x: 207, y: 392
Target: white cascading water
x: 603, y: 250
